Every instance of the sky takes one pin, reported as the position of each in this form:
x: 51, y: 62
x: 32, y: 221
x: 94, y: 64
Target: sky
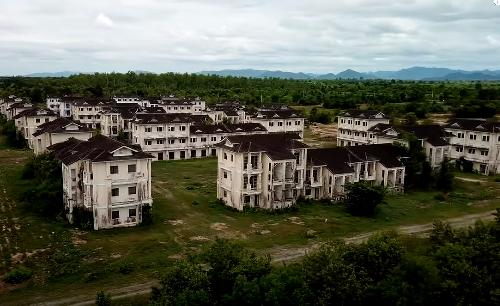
x: 316, y: 36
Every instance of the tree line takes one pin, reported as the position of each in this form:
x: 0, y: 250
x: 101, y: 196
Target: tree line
x: 473, y: 99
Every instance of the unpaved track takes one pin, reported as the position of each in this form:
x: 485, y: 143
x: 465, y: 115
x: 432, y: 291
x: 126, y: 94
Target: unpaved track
x: 278, y: 255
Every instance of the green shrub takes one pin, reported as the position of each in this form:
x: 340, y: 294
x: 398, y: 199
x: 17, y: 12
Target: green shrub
x: 102, y: 299
x: 18, y: 275
x: 147, y: 215
x: 126, y: 268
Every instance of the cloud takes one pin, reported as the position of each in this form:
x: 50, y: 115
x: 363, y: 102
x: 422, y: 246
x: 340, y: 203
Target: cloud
x: 104, y: 20
x: 295, y: 35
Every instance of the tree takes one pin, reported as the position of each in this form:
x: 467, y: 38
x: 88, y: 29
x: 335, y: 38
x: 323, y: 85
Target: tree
x: 362, y: 199
x: 444, y: 178
x: 102, y: 299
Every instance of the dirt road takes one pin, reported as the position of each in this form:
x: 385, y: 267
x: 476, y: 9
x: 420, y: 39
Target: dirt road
x: 278, y: 255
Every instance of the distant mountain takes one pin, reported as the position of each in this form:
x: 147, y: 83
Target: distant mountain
x: 412, y: 73
x: 60, y: 74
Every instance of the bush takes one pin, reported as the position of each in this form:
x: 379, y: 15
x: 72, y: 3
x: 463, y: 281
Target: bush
x: 18, y: 275
x: 102, y: 299
x: 83, y: 218
x: 362, y: 199
x: 147, y: 215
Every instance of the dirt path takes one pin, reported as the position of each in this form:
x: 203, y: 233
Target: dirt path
x: 470, y: 180
x: 278, y: 254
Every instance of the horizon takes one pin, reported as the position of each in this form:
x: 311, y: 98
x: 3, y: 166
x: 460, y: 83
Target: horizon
x: 191, y: 36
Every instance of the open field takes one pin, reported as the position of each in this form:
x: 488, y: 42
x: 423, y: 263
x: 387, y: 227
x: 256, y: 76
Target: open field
x: 187, y: 217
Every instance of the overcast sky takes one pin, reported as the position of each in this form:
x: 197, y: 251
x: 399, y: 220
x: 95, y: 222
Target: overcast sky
x: 292, y: 35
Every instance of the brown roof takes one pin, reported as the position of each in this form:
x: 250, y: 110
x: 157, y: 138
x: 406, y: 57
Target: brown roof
x: 34, y: 112
x: 277, y: 114
x: 363, y: 114
x: 227, y: 128
x: 98, y: 148
x: 474, y: 125
x: 58, y: 126
x: 278, y: 146
x: 162, y: 118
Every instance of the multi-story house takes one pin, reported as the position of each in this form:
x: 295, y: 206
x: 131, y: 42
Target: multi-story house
x: 118, y: 118
x: 107, y: 177
x: 62, y: 105
x: 16, y: 108
x: 333, y: 168
x: 172, y: 104
x: 279, y: 121
x: 57, y: 131
x: 88, y: 111
x: 433, y: 139
x: 29, y: 120
x: 7, y: 102
x: 265, y: 171
x: 272, y: 171
x: 477, y: 142
x: 353, y: 126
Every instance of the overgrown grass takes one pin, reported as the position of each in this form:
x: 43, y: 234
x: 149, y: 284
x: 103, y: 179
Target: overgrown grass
x: 113, y: 258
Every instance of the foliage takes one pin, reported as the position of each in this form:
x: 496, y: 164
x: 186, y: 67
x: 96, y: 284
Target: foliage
x: 444, y: 177
x: 362, y: 198
x: 147, y: 215
x: 83, y: 218
x: 14, y: 138
x: 18, y: 275
x: 43, y: 194
x: 102, y: 299
x: 319, y: 116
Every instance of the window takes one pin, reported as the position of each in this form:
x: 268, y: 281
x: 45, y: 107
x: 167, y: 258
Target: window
x: 193, y: 139
x: 484, y: 153
x: 365, y: 123
x: 183, y: 128
x: 182, y: 140
x: 280, y: 123
x: 132, y: 168
x: 459, y: 149
x: 147, y: 129
x: 148, y: 142
x: 225, y: 156
x: 225, y: 194
x: 225, y: 174
x: 132, y: 212
x: 213, y: 138
x: 160, y: 141
x: 113, y: 169
x: 357, y: 122
x: 460, y: 135
x: 271, y: 123
x: 203, y: 139
x: 472, y: 136
x: 171, y: 128
x: 132, y: 190
x: 486, y: 138
x: 115, y: 192
x: 231, y: 157
x: 289, y: 123
x: 171, y: 141
x: 472, y: 151
x: 342, y: 121
x: 159, y: 128
x: 37, y: 120
x: 115, y: 214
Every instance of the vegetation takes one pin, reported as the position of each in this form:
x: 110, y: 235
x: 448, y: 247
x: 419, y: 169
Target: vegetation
x: 43, y: 193
x: 13, y: 137
x: 444, y: 177
x: 362, y: 198
x: 102, y: 299
x: 18, y: 275
x: 454, y: 268
x: 393, y: 97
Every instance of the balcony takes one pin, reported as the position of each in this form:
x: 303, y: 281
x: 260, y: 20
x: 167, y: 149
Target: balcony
x: 253, y: 168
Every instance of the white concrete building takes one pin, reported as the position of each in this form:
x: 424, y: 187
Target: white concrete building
x: 118, y: 118
x: 106, y: 177
x: 89, y: 111
x: 265, y: 171
x: 476, y: 142
x: 7, y: 102
x: 279, y: 121
x: 272, y: 171
x: 29, y: 120
x: 353, y: 126
x: 16, y: 108
x: 433, y: 139
x: 63, y: 105
x: 174, y: 105
x: 57, y: 131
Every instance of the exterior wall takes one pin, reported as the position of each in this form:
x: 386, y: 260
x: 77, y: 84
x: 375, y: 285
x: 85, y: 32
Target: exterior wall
x: 41, y: 142
x: 30, y: 126
x: 354, y: 131
x: 295, y: 125
x: 91, y: 184
x: 480, y: 148
x: 90, y: 115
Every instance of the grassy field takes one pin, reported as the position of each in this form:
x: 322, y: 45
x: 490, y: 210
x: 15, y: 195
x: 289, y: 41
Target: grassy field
x: 186, y: 218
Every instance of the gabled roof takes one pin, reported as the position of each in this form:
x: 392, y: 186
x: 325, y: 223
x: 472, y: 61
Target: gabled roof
x: 432, y: 133
x: 59, y: 126
x: 162, y: 118
x: 96, y: 149
x: 278, y: 146
x: 21, y: 105
x: 473, y: 125
x: 227, y: 128
x: 338, y: 160
x: 364, y: 114
x: 277, y: 114
x: 34, y: 112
